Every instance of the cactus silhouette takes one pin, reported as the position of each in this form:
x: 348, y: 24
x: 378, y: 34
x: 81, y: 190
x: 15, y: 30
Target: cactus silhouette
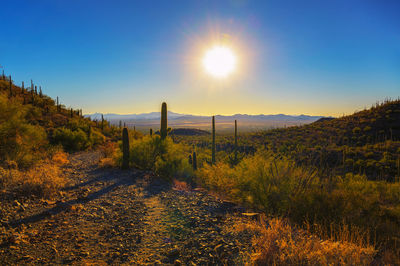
x: 236, y: 143
x: 125, y: 148
x: 89, y: 131
x: 23, y: 87
x: 213, y: 141
x: 151, y: 132
x: 40, y: 91
x: 11, y: 94
x: 194, y: 163
x: 102, y: 122
x: 164, y: 122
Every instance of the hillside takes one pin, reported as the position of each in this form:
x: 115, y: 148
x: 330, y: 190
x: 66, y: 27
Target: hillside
x: 33, y: 125
x: 367, y: 142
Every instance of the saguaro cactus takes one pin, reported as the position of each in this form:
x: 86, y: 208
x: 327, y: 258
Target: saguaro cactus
x: 120, y: 124
x: 40, y: 91
x: 89, y: 133
x: 72, y: 113
x: 213, y: 141
x: 23, y: 87
x: 194, y: 163
x: 125, y: 148
x: 102, y: 122
x: 11, y: 94
x: 151, y: 132
x: 236, y: 143
x: 57, y: 105
x: 164, y: 122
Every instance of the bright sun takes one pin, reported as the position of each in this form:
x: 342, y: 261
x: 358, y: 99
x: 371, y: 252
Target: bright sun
x: 219, y: 61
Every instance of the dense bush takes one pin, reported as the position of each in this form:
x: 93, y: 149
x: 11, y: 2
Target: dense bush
x: 71, y: 140
x: 164, y: 157
x: 19, y: 141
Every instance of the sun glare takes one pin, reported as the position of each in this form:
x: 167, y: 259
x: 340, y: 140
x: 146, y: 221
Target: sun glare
x: 219, y: 61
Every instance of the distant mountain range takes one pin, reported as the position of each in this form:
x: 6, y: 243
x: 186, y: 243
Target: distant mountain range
x: 177, y: 120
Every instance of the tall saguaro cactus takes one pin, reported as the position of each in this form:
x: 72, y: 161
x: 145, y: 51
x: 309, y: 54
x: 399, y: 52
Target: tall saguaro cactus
x: 11, y: 94
x: 236, y: 143
x: 102, y: 122
x: 23, y: 87
x: 164, y: 122
x: 213, y: 141
x: 194, y: 162
x: 151, y: 132
x: 125, y: 148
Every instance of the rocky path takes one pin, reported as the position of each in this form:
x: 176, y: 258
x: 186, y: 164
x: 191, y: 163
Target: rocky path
x: 110, y: 216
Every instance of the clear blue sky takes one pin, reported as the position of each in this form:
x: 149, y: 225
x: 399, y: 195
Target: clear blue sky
x: 313, y: 57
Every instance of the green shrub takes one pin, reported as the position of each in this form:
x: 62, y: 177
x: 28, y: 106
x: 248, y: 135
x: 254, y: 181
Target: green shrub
x: 71, y: 140
x: 164, y: 157
x: 19, y: 141
x: 281, y: 188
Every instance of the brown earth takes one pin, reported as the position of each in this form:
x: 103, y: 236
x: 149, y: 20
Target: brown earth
x: 111, y: 216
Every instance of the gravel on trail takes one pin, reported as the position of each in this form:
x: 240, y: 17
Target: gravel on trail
x: 111, y: 216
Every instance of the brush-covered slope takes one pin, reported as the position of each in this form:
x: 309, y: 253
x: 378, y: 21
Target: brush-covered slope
x: 32, y: 124
x: 367, y: 142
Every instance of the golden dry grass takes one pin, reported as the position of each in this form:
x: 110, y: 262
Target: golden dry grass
x: 181, y: 185
x: 278, y: 243
x: 60, y: 158
x: 43, y: 180
x: 107, y: 163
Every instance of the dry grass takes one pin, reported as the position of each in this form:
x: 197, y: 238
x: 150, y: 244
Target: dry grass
x: 108, y: 149
x: 181, y: 185
x: 278, y: 243
x: 43, y: 181
x: 60, y: 158
x: 107, y: 163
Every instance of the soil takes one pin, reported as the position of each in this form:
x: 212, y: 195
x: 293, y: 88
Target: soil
x: 112, y: 216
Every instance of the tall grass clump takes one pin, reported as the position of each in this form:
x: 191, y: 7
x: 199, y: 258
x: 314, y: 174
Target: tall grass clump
x: 276, y: 242
x: 261, y: 180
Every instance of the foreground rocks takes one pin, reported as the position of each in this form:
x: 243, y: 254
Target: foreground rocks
x: 110, y: 216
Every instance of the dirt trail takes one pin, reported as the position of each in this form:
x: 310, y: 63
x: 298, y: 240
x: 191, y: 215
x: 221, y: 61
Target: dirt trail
x: 110, y: 216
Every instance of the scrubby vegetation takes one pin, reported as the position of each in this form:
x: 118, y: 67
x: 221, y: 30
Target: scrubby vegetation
x: 334, y: 173
x: 276, y: 242
x: 33, y: 128
x: 281, y: 188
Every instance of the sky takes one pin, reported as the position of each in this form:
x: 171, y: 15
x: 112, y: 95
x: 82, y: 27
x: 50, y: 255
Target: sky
x: 293, y: 57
